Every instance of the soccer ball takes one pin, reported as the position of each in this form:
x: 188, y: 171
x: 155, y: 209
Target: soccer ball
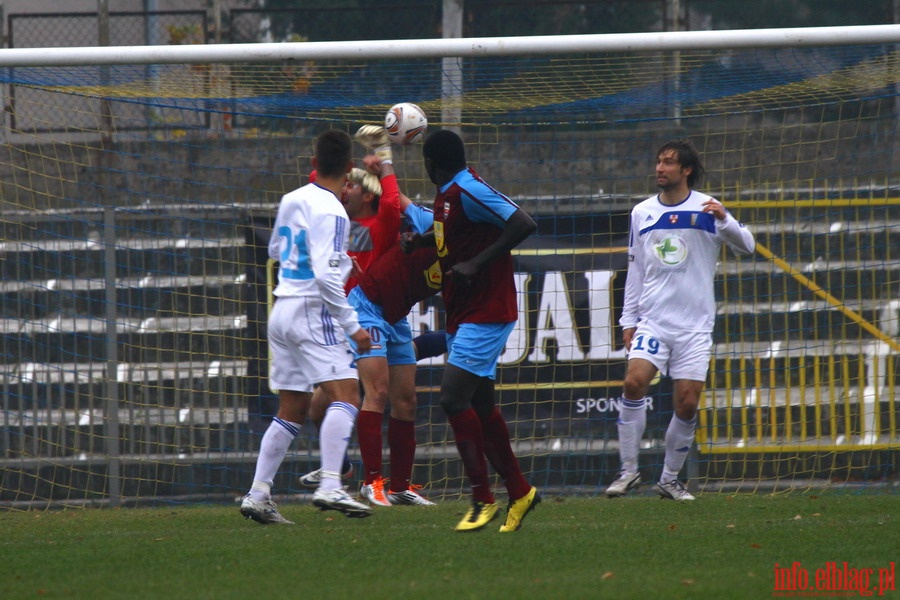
x: 405, y: 123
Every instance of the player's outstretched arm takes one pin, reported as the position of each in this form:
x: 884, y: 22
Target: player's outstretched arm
x: 374, y: 165
x: 375, y: 139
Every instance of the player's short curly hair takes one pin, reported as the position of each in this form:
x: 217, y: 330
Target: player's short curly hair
x: 446, y: 150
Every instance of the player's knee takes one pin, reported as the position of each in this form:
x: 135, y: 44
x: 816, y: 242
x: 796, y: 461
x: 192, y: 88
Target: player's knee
x: 453, y: 406
x: 292, y: 414
x: 634, y: 387
x: 403, y: 411
x: 375, y: 400
x: 404, y: 402
x: 484, y: 407
x: 687, y: 408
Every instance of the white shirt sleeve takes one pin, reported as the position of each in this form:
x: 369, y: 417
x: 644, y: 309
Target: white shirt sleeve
x: 737, y: 237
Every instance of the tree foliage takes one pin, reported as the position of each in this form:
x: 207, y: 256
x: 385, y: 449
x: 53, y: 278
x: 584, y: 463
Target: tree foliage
x: 417, y: 19
x: 762, y: 14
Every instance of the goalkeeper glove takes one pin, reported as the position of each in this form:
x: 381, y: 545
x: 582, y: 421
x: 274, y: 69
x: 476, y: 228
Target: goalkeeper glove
x: 375, y: 138
x: 368, y: 181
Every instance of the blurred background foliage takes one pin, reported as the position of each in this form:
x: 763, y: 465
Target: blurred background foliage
x: 413, y: 19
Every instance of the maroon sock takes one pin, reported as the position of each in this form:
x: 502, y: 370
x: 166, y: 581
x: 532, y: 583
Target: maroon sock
x: 499, y: 451
x: 402, y: 442
x: 470, y: 444
x: 368, y: 431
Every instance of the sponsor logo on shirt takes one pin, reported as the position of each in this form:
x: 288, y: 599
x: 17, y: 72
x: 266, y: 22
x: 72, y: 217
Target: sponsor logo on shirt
x: 671, y: 250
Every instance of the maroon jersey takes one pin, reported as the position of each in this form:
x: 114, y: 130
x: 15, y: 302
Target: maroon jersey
x: 469, y: 216
x: 396, y: 282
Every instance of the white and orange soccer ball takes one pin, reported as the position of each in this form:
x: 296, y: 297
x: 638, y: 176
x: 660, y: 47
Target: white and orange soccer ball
x: 405, y: 123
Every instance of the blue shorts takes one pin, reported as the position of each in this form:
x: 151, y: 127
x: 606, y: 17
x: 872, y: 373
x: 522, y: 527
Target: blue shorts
x: 391, y: 340
x: 476, y: 347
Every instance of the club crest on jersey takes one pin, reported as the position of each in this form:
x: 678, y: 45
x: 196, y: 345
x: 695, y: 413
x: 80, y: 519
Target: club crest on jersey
x: 671, y: 250
x: 433, y: 276
x: 673, y: 218
x: 439, y: 239
x: 446, y: 209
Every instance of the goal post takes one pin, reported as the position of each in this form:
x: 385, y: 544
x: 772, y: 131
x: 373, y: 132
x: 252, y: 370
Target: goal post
x: 452, y: 47
x: 137, y: 185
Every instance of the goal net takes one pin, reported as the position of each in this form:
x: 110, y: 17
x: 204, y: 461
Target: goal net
x: 138, y: 187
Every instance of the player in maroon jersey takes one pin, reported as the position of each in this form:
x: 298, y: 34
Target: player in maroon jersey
x: 474, y: 230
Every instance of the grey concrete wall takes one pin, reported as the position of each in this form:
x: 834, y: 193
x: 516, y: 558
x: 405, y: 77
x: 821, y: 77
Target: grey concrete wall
x: 209, y: 168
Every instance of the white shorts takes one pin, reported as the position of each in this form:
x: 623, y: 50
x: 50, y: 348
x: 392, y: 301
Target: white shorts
x: 681, y: 355
x: 306, y: 346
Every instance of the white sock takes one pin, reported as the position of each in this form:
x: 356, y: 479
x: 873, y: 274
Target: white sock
x: 631, y: 424
x: 679, y: 437
x: 275, y: 443
x: 334, y: 437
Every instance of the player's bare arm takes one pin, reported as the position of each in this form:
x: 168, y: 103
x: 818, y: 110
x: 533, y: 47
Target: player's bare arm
x: 518, y: 227
x: 363, y: 341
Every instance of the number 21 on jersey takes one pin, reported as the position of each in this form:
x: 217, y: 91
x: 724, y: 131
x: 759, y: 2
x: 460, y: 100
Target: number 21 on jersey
x: 301, y: 269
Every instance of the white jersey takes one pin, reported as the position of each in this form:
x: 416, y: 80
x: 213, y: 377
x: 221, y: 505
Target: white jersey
x: 672, y: 254
x: 309, y: 239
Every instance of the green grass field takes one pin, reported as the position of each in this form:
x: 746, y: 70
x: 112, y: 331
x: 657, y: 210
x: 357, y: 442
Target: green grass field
x: 720, y: 546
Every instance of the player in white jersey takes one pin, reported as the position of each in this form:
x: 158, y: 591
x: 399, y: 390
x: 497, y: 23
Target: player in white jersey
x: 308, y: 331
x: 670, y: 309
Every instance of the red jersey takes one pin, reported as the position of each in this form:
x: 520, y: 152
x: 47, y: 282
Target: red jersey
x: 396, y: 282
x: 468, y: 217
x: 373, y: 236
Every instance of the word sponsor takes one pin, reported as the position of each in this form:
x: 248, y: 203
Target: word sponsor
x: 833, y: 580
x: 603, y: 405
